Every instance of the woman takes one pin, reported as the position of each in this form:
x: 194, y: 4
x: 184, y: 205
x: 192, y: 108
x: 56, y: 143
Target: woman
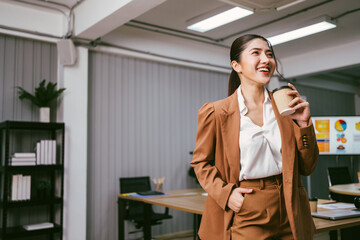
x: 249, y: 158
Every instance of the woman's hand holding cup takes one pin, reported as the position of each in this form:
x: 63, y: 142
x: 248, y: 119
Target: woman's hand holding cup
x: 300, y: 106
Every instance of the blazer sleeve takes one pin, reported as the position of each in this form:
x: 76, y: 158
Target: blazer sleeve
x: 204, y: 156
x: 307, y: 148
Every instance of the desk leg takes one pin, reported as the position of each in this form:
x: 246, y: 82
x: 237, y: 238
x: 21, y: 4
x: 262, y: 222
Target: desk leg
x: 333, y: 235
x: 147, y: 222
x: 121, y: 219
x: 197, y: 220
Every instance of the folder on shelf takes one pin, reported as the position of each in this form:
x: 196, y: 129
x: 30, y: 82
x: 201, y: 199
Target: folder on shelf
x: 38, y: 226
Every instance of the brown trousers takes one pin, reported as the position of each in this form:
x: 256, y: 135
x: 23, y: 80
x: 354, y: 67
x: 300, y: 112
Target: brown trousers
x: 263, y: 214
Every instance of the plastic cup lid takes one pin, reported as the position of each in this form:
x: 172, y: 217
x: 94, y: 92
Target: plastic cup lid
x: 277, y: 89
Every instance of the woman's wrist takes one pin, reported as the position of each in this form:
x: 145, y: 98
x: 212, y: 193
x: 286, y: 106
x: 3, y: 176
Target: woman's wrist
x: 302, y: 123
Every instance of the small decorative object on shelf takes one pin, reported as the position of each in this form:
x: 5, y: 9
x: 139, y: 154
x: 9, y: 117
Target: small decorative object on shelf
x: 43, y: 97
x: 31, y: 176
x: 43, y: 189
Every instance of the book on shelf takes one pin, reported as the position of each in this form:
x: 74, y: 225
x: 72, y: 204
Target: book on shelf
x: 24, y: 155
x: 38, y: 153
x: 53, y: 152
x: 27, y: 182
x: 15, y: 159
x: 46, y: 152
x: 14, y: 187
x: 19, y: 159
x: 42, y: 151
x: 20, y: 187
x: 38, y: 226
x: 23, y: 163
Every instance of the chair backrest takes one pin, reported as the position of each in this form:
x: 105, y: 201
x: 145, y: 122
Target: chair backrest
x: 134, y: 184
x: 338, y: 175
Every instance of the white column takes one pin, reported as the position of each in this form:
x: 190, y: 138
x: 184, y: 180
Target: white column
x: 73, y: 113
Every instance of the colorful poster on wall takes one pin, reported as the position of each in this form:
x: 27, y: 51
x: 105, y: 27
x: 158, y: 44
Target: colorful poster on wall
x: 338, y: 135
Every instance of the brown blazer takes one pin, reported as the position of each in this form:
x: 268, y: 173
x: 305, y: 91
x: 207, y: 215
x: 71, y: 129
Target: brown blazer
x: 216, y: 161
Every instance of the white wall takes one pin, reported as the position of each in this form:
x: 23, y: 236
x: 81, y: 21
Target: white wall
x: 75, y: 117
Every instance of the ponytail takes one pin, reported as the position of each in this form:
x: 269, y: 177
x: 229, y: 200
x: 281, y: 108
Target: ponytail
x: 234, y: 82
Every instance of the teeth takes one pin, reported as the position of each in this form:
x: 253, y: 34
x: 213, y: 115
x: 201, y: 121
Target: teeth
x: 264, y: 70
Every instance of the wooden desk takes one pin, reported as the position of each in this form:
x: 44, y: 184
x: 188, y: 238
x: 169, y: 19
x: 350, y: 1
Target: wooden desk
x: 352, y: 189
x: 188, y: 200
x: 193, y: 201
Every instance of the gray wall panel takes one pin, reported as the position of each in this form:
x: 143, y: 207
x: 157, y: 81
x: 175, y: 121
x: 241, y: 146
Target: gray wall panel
x: 23, y: 63
x: 142, y: 121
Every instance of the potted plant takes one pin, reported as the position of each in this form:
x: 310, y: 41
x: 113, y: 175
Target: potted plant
x: 43, y: 189
x: 44, y: 95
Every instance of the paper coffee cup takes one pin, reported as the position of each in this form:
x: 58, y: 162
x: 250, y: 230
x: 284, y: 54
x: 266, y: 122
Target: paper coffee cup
x: 282, y: 100
x: 313, y: 204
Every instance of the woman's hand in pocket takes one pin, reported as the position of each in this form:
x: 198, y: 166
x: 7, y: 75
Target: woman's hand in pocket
x: 236, y: 198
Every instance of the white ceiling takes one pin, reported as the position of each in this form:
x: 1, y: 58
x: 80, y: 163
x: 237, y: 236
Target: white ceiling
x: 170, y: 17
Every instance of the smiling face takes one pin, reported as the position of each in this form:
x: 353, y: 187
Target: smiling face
x: 256, y: 64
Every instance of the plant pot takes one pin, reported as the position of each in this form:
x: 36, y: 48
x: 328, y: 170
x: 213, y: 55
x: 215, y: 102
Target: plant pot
x: 44, y: 114
x: 43, y: 194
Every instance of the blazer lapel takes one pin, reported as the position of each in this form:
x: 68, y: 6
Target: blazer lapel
x: 287, y: 145
x: 230, y: 128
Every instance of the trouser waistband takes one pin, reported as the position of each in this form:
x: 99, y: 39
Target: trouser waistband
x: 262, y: 182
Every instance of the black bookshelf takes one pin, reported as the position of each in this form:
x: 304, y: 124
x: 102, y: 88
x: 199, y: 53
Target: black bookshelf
x: 21, y: 137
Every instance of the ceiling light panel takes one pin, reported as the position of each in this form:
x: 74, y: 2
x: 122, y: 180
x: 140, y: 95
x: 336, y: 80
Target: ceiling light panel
x: 210, y: 21
x: 321, y: 25
x: 260, y: 5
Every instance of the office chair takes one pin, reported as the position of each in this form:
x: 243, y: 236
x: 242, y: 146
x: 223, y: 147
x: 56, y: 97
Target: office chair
x: 135, y: 210
x: 339, y: 175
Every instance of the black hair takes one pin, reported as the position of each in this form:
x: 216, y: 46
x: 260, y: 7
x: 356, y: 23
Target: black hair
x: 237, y: 47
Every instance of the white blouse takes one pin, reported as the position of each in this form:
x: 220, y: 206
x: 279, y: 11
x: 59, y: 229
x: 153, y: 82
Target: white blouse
x: 260, y: 147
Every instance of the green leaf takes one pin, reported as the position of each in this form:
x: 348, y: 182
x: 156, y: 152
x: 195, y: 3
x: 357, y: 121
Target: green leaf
x: 43, y: 94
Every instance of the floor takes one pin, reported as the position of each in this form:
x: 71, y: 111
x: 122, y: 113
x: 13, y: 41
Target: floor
x: 186, y: 235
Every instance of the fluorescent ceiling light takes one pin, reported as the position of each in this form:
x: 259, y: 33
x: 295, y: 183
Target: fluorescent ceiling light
x: 301, y: 32
x: 220, y: 19
x: 289, y: 5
